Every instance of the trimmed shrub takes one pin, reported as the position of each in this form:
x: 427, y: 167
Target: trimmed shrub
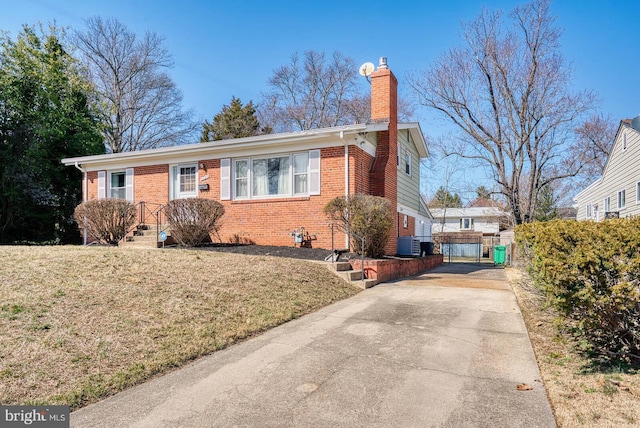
x: 193, y: 221
x: 106, y: 221
x: 590, y: 272
x: 366, y: 216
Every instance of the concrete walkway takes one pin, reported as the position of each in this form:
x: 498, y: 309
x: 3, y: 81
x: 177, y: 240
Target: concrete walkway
x: 444, y: 349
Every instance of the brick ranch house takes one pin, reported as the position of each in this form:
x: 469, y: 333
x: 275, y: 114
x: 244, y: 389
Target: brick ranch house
x: 271, y: 185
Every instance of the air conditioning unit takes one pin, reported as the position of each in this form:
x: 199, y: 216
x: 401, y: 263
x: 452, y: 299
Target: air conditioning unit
x: 408, y: 246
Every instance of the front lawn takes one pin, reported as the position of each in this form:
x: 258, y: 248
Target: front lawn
x: 81, y: 323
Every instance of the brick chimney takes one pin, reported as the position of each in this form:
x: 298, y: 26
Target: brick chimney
x: 383, y: 178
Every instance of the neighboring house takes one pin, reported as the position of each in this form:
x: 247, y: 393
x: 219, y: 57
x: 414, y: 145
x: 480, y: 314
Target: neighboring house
x: 467, y: 232
x: 617, y: 192
x: 482, y: 220
x: 272, y: 185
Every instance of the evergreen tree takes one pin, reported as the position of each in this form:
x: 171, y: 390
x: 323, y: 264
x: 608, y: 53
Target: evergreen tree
x: 234, y: 121
x: 445, y: 199
x: 44, y: 117
x: 546, y: 205
x: 483, y: 193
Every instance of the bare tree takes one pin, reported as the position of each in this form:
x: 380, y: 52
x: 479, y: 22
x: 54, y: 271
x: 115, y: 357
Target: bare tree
x: 139, y: 103
x: 593, y: 145
x: 507, y: 93
x: 314, y: 92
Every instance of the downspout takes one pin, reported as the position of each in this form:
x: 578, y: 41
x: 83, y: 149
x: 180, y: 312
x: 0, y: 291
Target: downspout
x: 85, y: 194
x: 346, y: 176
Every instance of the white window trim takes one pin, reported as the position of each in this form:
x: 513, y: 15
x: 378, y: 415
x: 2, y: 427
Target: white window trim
x: 588, y: 211
x: 175, y: 193
x: 637, y: 192
x: 470, y: 223
x: 407, y: 162
x: 313, y: 175
x: 606, y: 203
x: 619, y: 199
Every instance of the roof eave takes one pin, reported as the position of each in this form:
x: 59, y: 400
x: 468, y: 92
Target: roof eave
x: 274, y: 140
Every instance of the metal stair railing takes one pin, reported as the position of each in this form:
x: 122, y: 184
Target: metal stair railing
x: 350, y: 234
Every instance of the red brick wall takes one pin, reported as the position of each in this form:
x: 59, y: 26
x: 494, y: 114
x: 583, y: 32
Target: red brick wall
x: 411, y: 225
x: 151, y: 184
x: 390, y: 269
x: 270, y: 221
x: 384, y: 174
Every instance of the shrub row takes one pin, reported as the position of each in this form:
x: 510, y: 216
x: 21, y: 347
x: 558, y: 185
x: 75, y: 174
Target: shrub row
x: 590, y: 273
x: 107, y: 221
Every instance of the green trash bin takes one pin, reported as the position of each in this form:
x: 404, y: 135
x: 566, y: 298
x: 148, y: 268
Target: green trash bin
x: 499, y: 254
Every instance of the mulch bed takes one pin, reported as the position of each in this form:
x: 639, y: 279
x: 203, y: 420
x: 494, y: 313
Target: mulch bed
x: 268, y: 250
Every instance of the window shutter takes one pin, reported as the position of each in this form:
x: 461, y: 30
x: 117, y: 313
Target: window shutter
x: 129, y: 184
x: 225, y: 179
x: 102, y: 188
x: 314, y: 172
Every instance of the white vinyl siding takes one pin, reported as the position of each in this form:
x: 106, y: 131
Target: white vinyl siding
x: 621, y: 172
x: 408, y: 182
x: 466, y: 224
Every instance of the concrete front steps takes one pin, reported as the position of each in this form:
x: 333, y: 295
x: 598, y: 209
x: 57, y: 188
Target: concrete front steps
x: 145, y: 236
x: 345, y: 271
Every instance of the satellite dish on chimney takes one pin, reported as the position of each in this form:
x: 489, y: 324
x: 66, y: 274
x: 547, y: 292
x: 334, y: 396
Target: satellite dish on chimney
x: 366, y: 69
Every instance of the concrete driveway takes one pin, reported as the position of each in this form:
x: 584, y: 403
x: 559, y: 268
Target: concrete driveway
x: 443, y: 349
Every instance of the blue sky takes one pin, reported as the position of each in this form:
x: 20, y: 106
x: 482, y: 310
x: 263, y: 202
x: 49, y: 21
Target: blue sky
x: 230, y: 48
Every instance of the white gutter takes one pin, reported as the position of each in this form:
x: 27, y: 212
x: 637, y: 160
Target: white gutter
x: 346, y: 176
x: 85, y: 195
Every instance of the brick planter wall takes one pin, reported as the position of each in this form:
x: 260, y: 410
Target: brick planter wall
x: 389, y: 269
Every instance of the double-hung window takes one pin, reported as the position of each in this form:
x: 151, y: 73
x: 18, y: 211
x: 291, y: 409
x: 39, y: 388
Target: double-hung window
x: 300, y: 173
x: 621, y: 199
x: 589, y: 211
x: 466, y: 223
x: 284, y: 175
x: 407, y: 163
x: 607, y: 204
x: 117, y: 185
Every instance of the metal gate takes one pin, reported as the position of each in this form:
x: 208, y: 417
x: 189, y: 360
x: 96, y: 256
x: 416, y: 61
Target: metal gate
x: 467, y: 249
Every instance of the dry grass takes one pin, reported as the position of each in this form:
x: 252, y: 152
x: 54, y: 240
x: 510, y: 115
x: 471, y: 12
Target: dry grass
x: 581, y: 393
x: 79, y: 324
